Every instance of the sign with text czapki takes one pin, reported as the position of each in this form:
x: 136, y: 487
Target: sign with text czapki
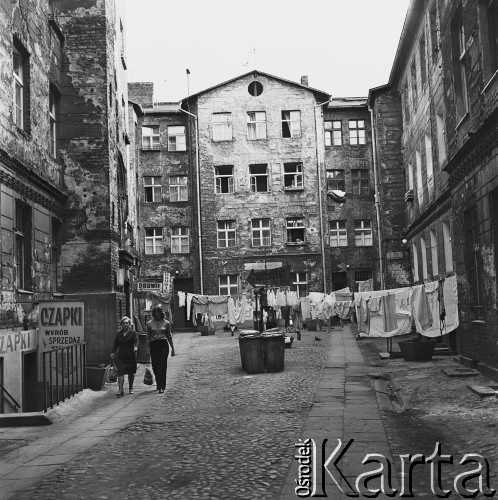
x: 61, y: 324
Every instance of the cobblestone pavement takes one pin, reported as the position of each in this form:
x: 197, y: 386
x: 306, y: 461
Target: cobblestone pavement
x: 218, y: 433
x: 434, y: 408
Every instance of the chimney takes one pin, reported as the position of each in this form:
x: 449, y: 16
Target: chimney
x: 304, y: 80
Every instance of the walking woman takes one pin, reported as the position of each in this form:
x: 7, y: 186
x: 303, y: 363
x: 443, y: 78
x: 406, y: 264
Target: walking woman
x: 159, y: 338
x: 124, y: 354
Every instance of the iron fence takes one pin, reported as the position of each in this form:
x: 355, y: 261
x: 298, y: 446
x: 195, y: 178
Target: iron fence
x: 63, y: 374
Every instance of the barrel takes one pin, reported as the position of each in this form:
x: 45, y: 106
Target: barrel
x: 251, y: 353
x: 273, y: 351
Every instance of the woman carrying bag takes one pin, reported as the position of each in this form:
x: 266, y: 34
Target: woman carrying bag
x: 124, y: 354
x: 159, y: 338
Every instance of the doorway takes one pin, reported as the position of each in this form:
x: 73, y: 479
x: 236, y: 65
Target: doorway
x: 29, y: 382
x: 180, y: 319
x: 339, y: 281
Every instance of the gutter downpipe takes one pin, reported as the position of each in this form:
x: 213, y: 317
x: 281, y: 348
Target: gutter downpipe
x: 377, y: 207
x: 318, y: 163
x: 198, y: 193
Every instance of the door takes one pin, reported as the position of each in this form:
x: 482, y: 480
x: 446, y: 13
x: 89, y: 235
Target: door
x: 29, y: 382
x: 180, y: 319
x: 339, y: 281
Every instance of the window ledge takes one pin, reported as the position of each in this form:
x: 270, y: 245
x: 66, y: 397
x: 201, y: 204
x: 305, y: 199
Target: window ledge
x: 296, y: 244
x: 25, y: 292
x: 291, y: 188
x: 491, y: 81
x: 478, y: 322
x: 150, y: 149
x: 462, y: 120
x: 23, y: 133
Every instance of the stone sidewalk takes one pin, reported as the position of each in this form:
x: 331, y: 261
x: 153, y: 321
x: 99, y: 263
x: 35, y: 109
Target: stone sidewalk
x: 345, y: 407
x: 54, y: 445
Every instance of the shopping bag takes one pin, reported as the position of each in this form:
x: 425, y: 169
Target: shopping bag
x: 148, y: 377
x: 111, y: 373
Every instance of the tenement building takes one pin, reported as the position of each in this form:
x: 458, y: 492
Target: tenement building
x: 66, y: 229
x: 444, y: 81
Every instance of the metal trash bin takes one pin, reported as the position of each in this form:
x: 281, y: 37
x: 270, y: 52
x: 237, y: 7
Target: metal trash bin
x: 251, y: 353
x: 143, y: 354
x: 273, y: 352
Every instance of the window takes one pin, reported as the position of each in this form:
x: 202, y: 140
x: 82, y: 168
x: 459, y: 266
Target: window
x: 363, y: 233
x: 335, y: 180
x: 488, y: 19
x: 434, y: 255
x: 19, y: 85
x: 256, y: 125
x: 53, y: 101
x: 413, y: 75
x: 154, y: 240
x: 473, y: 259
x: 55, y: 252
x: 226, y: 233
x: 259, y: 178
x: 295, y: 230
x: 423, y: 61
x: 224, y: 179
x: 362, y: 275
x: 433, y: 21
x: 339, y: 280
x: 356, y: 132
x: 153, y: 189
x: 228, y: 285
x: 261, y: 232
x: 255, y: 88
x: 448, y: 251
x: 293, y: 175
x: 415, y: 262
x: 333, y: 133
x: 409, y: 168
x: 338, y: 233
x: 441, y: 137
x: 291, y: 124
x: 423, y: 249
x: 459, y: 58
x: 180, y: 239
x: 176, y: 139
x: 429, y: 165
x: 360, y: 181
x: 420, y: 187
x: 56, y: 54
x: 23, y: 231
x: 178, y: 188
x: 222, y: 126
x: 406, y: 103
x: 150, y: 137
x: 300, y: 283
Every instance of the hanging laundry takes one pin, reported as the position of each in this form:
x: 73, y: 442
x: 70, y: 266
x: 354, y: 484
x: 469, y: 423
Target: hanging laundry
x: 423, y: 312
x: 280, y: 299
x: 272, y: 300
x: 292, y: 298
x: 365, y: 286
x: 189, y: 303
x: 181, y: 299
x: 450, y: 298
x: 390, y: 312
x: 305, y: 308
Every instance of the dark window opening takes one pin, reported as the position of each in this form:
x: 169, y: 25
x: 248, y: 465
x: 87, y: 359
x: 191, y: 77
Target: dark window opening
x: 339, y: 280
x: 259, y: 178
x: 255, y: 88
x: 23, y: 232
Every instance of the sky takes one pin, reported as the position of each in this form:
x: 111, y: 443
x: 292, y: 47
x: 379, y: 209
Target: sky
x: 345, y: 47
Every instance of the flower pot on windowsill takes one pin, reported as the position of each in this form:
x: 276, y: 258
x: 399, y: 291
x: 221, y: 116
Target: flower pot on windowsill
x: 417, y: 349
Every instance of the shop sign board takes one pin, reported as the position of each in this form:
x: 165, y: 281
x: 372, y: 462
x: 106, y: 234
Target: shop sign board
x: 61, y: 324
x: 166, y: 282
x: 149, y: 286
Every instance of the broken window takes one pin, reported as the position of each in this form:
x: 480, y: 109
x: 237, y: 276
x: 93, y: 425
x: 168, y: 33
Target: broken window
x: 356, y: 132
x: 178, y: 188
x: 176, y: 139
x: 259, y: 178
x: 226, y: 233
x: 222, y: 126
x: 338, y: 233
x: 256, y: 125
x: 360, y: 181
x: 228, y: 284
x: 291, y: 124
x: 261, y: 232
x: 295, y: 230
x: 150, y: 137
x: 23, y: 232
x: 153, y: 189
x: 363, y: 233
x: 154, y: 240
x: 459, y: 61
x: 335, y: 180
x: 293, y: 175
x: 180, y: 239
x: 53, y: 105
x: 333, y: 133
x: 488, y: 19
x: 224, y: 179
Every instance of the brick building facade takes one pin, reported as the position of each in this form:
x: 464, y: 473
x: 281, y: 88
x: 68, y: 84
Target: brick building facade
x: 66, y: 227
x: 445, y: 73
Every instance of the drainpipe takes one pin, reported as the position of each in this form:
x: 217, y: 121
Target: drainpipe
x: 319, y: 175
x: 198, y: 193
x: 377, y: 205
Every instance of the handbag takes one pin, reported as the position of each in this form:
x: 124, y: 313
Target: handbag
x: 111, y: 373
x: 148, y: 377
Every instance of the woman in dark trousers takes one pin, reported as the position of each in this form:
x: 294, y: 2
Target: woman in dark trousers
x: 159, y: 338
x: 124, y: 354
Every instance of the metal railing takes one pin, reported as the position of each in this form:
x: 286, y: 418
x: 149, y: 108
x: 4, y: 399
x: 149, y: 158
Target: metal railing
x: 63, y: 374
